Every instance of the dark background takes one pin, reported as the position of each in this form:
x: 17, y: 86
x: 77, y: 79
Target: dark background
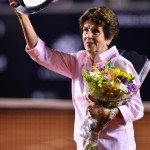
x: 21, y: 77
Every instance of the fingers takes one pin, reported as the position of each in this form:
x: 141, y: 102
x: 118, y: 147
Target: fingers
x: 14, y: 3
x: 95, y: 109
x: 91, y: 98
x: 92, y: 106
x: 95, y: 113
x: 89, y: 101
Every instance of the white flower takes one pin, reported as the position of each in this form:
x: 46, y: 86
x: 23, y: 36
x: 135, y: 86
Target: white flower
x: 123, y: 87
x: 94, y: 74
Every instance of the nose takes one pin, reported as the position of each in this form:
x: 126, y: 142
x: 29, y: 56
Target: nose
x: 89, y: 34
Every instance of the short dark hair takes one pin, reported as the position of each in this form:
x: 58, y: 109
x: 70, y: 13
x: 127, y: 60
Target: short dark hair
x: 105, y: 18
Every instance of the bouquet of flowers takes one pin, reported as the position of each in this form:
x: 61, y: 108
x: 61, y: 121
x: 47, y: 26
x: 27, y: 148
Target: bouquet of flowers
x: 109, y: 87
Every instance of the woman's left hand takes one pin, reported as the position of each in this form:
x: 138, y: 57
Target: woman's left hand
x: 97, y: 111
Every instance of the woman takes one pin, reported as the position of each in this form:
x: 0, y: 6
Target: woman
x: 99, y: 28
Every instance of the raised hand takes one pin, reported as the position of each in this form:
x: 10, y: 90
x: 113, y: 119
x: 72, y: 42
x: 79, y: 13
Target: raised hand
x: 14, y: 4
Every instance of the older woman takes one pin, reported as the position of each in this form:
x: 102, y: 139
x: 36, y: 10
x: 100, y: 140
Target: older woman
x: 99, y: 28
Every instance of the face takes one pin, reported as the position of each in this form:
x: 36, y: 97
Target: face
x: 93, y: 38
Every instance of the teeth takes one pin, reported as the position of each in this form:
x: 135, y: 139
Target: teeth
x: 90, y: 42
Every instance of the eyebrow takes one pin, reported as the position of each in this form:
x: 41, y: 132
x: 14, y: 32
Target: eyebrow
x: 94, y: 27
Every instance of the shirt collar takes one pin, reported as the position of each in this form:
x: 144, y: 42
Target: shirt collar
x: 109, y: 54
x: 104, y: 57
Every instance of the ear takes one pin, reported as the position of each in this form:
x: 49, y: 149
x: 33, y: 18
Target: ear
x: 108, y: 41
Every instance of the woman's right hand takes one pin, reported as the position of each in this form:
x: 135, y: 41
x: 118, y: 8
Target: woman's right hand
x: 28, y: 30
x: 14, y: 4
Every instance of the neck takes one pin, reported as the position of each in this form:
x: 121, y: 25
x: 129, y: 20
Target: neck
x: 94, y: 58
x: 91, y: 56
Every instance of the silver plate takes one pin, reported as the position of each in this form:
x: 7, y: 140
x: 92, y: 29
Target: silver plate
x: 32, y: 6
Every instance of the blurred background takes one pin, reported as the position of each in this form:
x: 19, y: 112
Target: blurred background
x: 57, y: 25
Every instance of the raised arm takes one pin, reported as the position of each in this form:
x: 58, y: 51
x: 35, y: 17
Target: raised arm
x: 30, y: 35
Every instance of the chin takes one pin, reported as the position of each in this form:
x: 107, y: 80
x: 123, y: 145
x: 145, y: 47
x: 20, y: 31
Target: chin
x: 89, y: 50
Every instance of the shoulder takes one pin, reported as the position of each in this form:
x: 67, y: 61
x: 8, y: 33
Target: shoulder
x: 125, y: 65
x: 122, y: 63
x: 119, y: 59
x: 122, y: 60
x: 80, y: 54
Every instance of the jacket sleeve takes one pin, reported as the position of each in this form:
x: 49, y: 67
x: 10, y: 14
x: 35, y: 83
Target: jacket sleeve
x: 133, y: 109
x: 54, y: 60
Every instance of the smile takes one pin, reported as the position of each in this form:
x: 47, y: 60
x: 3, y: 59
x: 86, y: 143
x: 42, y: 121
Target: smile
x: 89, y: 43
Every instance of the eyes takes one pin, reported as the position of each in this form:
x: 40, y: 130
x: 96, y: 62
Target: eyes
x: 94, y: 31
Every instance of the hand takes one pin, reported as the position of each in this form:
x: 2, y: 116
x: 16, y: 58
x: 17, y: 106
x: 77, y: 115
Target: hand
x: 14, y: 4
x: 96, y: 111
